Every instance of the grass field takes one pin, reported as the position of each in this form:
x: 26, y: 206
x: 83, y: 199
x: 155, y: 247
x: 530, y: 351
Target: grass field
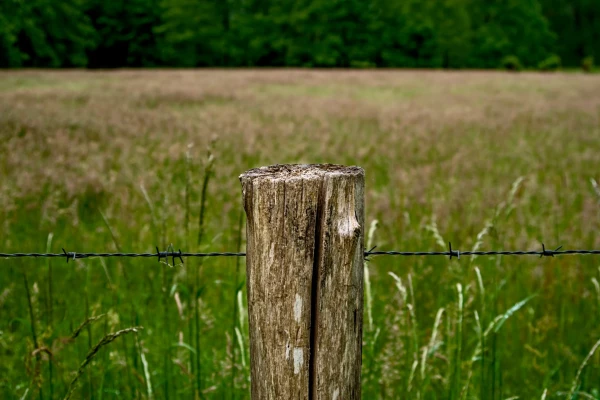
x: 103, y: 161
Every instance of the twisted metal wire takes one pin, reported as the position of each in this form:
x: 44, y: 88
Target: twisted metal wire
x: 456, y: 253
x: 71, y: 255
x: 547, y: 253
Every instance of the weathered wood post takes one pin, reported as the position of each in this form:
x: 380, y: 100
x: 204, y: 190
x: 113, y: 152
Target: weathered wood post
x: 305, y: 280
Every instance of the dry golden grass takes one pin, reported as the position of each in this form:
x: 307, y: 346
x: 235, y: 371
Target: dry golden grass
x: 102, y: 132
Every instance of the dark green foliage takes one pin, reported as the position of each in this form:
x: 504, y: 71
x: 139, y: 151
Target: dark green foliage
x: 9, y: 53
x: 577, y: 26
x: 124, y: 33
x: 44, y: 33
x: 513, y: 27
x: 305, y: 33
x: 587, y: 64
x: 551, y: 63
x: 511, y: 63
x: 191, y: 33
x: 453, y: 24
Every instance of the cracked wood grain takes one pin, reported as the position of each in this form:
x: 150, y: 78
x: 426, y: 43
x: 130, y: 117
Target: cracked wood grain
x: 304, y: 280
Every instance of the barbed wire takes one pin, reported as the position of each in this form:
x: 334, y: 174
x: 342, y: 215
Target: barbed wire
x: 170, y: 252
x: 456, y: 253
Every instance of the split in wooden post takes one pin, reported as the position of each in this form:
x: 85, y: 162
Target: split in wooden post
x: 305, y: 280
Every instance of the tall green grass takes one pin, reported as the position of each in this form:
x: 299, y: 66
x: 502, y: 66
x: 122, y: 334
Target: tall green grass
x: 486, y: 161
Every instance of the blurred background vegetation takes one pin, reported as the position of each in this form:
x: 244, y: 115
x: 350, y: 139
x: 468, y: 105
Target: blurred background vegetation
x: 512, y: 34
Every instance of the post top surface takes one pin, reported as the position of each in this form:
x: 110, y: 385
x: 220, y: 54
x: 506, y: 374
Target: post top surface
x: 302, y: 171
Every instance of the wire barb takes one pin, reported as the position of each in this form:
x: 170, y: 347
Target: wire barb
x: 69, y: 254
x: 548, y: 253
x: 178, y: 255
x: 453, y: 253
x: 368, y: 252
x: 169, y: 253
x: 160, y: 255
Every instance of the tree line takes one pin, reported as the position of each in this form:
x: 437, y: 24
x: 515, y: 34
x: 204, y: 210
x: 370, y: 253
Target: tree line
x: 303, y: 33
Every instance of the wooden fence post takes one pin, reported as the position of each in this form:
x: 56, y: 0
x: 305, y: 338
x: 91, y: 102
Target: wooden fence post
x: 304, y: 265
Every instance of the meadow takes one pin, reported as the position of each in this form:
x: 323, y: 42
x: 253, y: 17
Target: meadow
x: 133, y: 159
